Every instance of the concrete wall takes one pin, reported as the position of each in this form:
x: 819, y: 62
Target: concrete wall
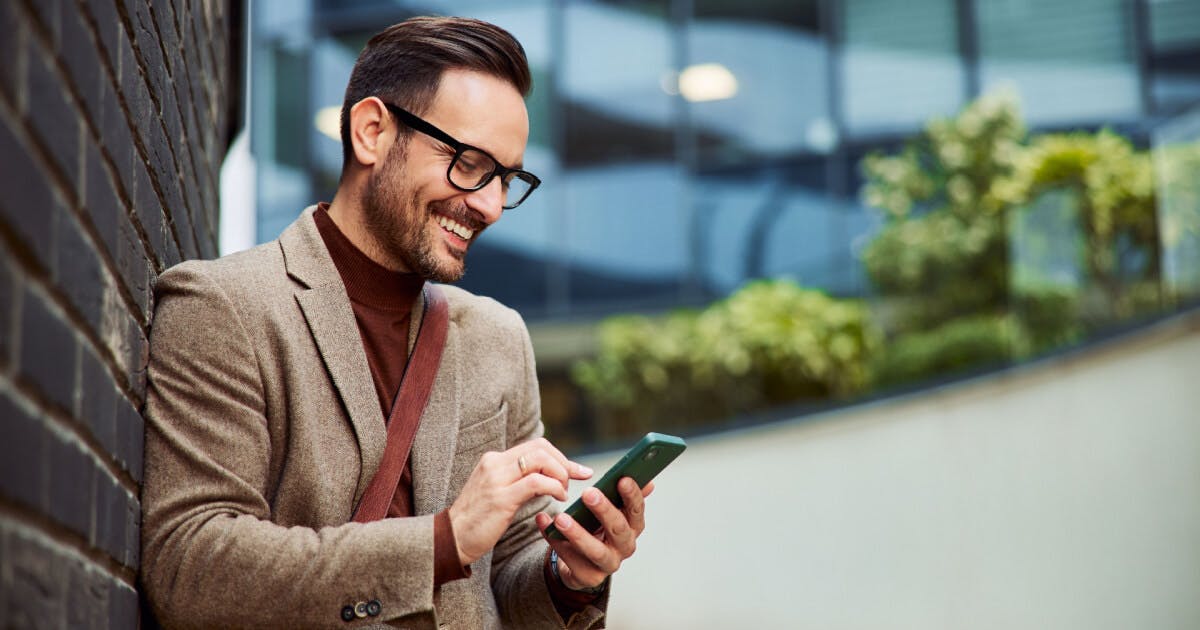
x: 1061, y: 495
x: 113, y: 118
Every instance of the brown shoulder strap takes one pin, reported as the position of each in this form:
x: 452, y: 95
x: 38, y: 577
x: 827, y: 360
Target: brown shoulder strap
x: 409, y: 404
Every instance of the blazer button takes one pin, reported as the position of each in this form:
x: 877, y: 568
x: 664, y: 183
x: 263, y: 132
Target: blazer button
x: 374, y: 608
x: 348, y: 613
x: 360, y: 610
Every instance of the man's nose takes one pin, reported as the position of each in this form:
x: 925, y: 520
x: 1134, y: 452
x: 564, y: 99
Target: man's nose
x: 488, y: 201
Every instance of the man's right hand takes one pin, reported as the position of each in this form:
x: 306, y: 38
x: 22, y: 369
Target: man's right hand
x: 500, y: 484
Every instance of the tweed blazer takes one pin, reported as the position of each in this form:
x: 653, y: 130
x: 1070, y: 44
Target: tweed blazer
x: 263, y: 430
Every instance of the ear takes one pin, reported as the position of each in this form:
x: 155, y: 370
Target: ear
x: 371, y: 131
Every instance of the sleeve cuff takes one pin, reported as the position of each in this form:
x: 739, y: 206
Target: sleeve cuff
x: 445, y: 552
x: 566, y: 601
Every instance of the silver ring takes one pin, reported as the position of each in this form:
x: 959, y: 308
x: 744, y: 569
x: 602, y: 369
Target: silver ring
x: 522, y: 465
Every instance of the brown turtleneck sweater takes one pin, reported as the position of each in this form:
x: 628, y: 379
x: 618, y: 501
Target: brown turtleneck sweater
x: 382, y: 300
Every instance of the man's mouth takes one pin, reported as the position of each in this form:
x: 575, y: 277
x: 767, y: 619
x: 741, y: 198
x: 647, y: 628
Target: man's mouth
x: 454, y: 227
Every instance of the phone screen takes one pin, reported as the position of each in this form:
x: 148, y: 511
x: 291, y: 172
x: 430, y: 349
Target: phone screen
x: 643, y: 462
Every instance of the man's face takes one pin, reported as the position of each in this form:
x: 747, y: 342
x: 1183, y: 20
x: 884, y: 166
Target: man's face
x: 412, y: 211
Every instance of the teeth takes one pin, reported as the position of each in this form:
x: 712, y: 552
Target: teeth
x: 462, y: 231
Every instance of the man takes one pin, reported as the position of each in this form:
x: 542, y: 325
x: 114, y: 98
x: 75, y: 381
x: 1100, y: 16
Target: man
x: 273, y: 372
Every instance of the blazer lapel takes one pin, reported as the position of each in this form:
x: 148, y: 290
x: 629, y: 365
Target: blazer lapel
x: 433, y: 447
x: 330, y: 318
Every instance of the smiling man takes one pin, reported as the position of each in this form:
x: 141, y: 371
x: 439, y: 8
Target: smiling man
x: 291, y: 480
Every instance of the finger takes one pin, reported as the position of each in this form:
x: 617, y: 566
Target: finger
x: 617, y: 529
x: 535, y: 485
x: 648, y: 489
x: 539, y: 461
x: 635, y: 504
x: 576, y: 470
x: 574, y: 568
x: 584, y: 544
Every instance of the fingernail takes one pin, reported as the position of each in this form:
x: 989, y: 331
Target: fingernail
x: 564, y: 521
x: 584, y: 470
x: 591, y: 497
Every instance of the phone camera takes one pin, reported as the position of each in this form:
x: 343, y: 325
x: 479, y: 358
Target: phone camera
x: 651, y: 455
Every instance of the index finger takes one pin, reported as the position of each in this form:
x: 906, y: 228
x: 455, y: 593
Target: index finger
x: 574, y: 469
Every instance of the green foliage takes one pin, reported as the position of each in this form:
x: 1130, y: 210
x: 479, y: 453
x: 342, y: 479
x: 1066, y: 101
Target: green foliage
x: 942, y: 251
x: 959, y: 344
x: 1113, y: 187
x: 943, y: 261
x: 772, y: 342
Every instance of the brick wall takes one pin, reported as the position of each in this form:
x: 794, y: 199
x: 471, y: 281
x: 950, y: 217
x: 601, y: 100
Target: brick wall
x: 114, y: 118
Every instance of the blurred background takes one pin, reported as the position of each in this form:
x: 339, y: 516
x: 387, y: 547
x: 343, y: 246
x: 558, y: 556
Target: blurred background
x: 918, y: 279
x: 755, y: 205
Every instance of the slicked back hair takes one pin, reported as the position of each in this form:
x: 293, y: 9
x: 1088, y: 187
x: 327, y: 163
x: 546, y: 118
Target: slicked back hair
x: 404, y: 64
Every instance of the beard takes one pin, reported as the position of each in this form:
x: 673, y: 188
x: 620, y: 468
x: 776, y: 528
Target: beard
x: 403, y: 227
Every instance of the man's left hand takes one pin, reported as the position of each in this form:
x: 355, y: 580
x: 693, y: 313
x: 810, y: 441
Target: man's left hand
x: 585, y: 560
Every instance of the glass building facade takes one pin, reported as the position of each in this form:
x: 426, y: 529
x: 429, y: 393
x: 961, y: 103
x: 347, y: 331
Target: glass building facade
x: 688, y: 146
x: 691, y: 145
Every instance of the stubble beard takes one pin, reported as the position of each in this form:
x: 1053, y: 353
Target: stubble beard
x: 403, y: 228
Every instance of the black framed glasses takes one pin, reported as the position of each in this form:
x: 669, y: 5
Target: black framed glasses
x: 473, y: 168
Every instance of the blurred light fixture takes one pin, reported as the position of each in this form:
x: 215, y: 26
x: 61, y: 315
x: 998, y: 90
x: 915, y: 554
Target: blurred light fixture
x: 329, y: 121
x: 707, y: 82
x: 821, y: 135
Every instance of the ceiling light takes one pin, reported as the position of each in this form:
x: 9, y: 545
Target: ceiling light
x: 707, y: 82
x: 329, y: 121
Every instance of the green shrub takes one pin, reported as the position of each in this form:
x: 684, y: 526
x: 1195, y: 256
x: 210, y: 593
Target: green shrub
x: 770, y: 343
x: 957, y: 345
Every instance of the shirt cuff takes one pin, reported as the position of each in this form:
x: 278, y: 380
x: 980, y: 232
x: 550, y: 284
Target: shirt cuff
x: 566, y: 601
x: 445, y: 552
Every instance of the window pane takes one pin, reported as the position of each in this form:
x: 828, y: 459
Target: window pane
x: 900, y: 63
x: 1070, y: 60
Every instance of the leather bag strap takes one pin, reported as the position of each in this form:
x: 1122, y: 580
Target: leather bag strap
x: 407, y: 407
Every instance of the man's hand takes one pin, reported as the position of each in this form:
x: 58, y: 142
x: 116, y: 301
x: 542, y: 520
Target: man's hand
x: 500, y: 484
x: 586, y: 560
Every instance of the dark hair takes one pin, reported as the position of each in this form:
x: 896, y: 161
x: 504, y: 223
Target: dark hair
x: 404, y: 63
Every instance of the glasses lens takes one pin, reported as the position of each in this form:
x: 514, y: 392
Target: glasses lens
x: 472, y: 169
x: 517, y: 186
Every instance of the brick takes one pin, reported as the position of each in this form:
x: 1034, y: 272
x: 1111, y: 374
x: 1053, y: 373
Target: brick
x: 23, y: 449
x: 49, y: 351
x: 77, y: 271
x: 171, y: 118
x: 164, y: 17
x: 10, y: 47
x: 47, y: 13
x: 133, y: 88
x: 148, y: 209
x: 130, y: 439
x: 36, y: 586
x: 134, y: 267
x: 133, y: 522
x: 29, y: 210
x: 71, y: 478
x: 122, y: 606
x: 100, y: 199
x: 79, y: 54
x: 115, y: 137
x: 52, y: 117
x: 87, y: 596
x: 114, y: 542
x: 145, y: 34
x: 106, y: 495
x: 108, y: 25
x: 8, y: 302
x: 98, y: 401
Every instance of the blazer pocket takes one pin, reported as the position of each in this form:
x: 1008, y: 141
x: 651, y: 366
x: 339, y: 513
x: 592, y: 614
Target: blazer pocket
x: 488, y: 433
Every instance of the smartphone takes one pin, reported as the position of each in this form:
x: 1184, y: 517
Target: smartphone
x: 646, y: 459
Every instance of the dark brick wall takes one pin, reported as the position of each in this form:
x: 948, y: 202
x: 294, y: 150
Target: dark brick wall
x: 114, y: 118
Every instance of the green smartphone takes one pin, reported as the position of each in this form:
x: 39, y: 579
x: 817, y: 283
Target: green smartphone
x: 646, y: 459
